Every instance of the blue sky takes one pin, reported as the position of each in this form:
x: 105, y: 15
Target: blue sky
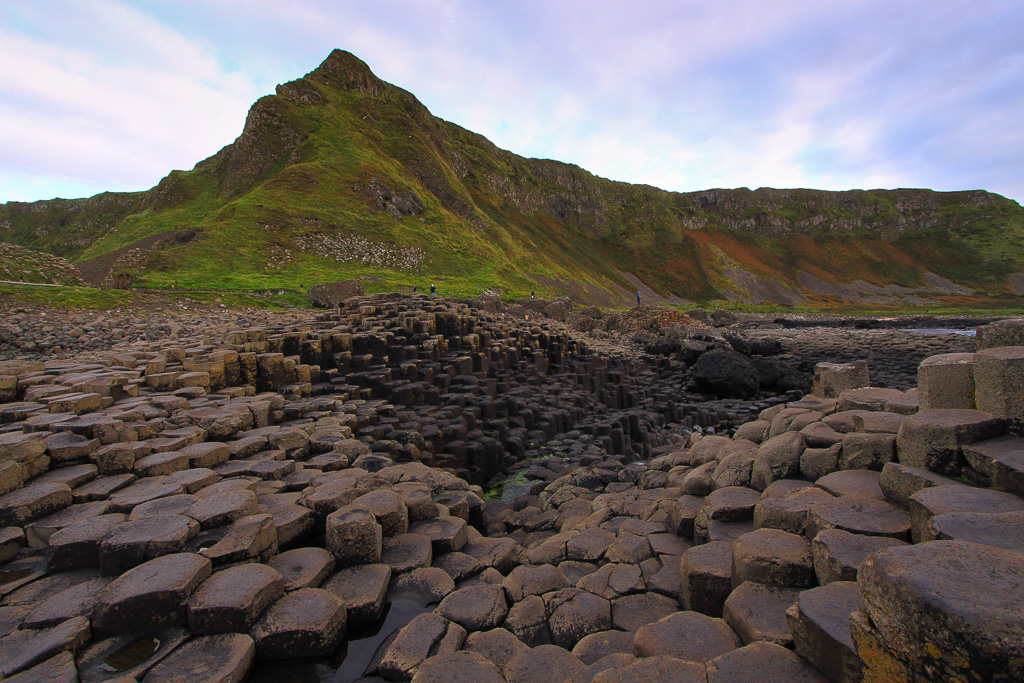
x: 105, y: 95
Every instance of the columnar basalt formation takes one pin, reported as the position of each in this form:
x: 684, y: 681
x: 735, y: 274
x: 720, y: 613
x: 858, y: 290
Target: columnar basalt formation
x: 218, y: 507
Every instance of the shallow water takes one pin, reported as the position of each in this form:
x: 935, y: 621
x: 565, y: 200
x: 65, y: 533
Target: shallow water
x: 354, y: 658
x: 941, y: 330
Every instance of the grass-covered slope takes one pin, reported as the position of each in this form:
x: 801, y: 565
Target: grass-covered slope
x: 340, y: 175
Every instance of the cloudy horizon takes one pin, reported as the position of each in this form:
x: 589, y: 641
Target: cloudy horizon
x: 100, y: 95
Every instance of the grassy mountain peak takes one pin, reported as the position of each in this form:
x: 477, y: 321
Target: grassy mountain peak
x: 340, y: 174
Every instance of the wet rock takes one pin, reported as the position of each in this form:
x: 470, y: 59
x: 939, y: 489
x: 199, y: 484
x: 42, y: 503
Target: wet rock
x: 231, y: 600
x: 225, y: 658
x: 361, y: 589
x: 26, y: 648
x: 305, y: 623
x: 303, y: 567
x: 149, y: 596
x: 427, y: 635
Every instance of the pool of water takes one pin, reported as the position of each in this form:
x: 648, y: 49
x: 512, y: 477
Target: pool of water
x: 940, y: 330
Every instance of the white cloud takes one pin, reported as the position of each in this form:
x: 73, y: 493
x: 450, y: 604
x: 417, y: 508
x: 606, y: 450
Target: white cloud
x: 682, y: 95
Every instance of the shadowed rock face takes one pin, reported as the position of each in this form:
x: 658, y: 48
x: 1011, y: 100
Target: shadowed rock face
x: 340, y: 503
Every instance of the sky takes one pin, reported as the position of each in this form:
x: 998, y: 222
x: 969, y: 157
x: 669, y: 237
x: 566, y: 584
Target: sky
x: 685, y: 95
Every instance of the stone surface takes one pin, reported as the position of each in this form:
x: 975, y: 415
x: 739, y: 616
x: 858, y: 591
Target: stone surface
x: 542, y: 664
x: 839, y: 554
x: 820, y: 623
x: 757, y: 612
x: 498, y: 646
x: 998, y: 463
x: 574, y: 613
x: 427, y: 635
x: 947, y: 381
x: 772, y: 557
x: 149, y: 596
x: 705, y: 577
x: 225, y: 658
x: 858, y: 515
x: 940, y: 500
x: 933, y: 439
x: 596, y: 646
x: 690, y: 636
x: 946, y: 609
x: 831, y: 379
x: 762, y: 662
x: 361, y: 589
x: 458, y: 667
x: 999, y: 382
x: 231, y: 600
x: 27, y: 648
x: 305, y: 623
x: 303, y: 567
x: 475, y: 608
x: 1000, y: 530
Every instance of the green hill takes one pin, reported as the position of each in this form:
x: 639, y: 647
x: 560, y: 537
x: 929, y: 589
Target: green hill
x: 340, y: 175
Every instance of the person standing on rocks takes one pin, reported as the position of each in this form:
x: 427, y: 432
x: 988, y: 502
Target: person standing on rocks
x: 433, y: 289
x: 638, y: 297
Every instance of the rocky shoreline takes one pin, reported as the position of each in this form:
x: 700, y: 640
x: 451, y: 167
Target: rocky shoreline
x: 261, y: 496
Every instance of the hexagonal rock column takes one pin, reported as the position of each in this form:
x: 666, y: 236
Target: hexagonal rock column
x: 947, y: 381
x: 306, y: 623
x: 150, y: 595
x: 705, y: 577
x: 999, y: 383
x: 774, y: 558
x: 763, y: 663
x: 354, y: 537
x: 425, y: 636
x: 1001, y: 333
x: 830, y: 379
x: 933, y: 439
x: 690, y: 636
x: 232, y: 599
x: 945, y: 610
x: 820, y: 623
x: 999, y: 463
x: 223, y: 658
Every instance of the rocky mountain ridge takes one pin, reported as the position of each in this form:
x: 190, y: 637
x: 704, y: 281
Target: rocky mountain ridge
x: 341, y: 152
